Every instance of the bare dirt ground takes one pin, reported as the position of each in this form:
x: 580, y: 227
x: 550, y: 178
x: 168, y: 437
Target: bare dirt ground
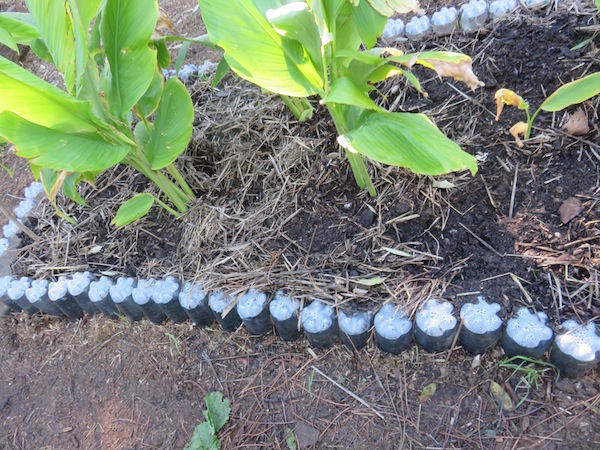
x: 277, y: 207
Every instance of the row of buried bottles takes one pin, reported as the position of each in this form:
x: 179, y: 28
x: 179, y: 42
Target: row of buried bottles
x: 470, y: 16
x: 575, y: 350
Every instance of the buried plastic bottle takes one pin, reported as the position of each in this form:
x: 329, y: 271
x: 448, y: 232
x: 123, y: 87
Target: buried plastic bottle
x: 78, y: 286
x: 527, y: 335
x: 320, y: 324
x: 253, y: 309
x: 5, y: 283
x: 444, y: 21
x: 194, y: 301
x: 284, y: 313
x: 224, y: 309
x: 99, y: 295
x: 142, y: 297
x: 120, y: 293
x: 481, y: 326
x: 37, y: 295
x: 166, y: 295
x: 354, y: 328
x: 436, y: 327
x: 16, y: 293
x: 58, y: 293
x: 393, y: 329
x: 576, y: 351
x: 473, y: 15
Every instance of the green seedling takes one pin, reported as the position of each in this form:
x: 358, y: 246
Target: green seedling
x: 567, y: 95
x: 115, y: 108
x: 205, y: 435
x: 530, y: 371
x: 311, y: 377
x: 326, y: 48
x: 174, y: 345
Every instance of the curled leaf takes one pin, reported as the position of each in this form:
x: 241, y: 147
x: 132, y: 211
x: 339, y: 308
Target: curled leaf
x: 508, y: 97
x: 519, y: 128
x: 457, y: 66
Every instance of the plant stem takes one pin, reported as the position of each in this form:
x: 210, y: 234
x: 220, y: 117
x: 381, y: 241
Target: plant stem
x: 365, y: 176
x: 290, y: 104
x: 300, y: 107
x: 530, y: 120
x: 173, y: 192
x: 181, y: 181
x: 167, y: 207
x: 357, y: 163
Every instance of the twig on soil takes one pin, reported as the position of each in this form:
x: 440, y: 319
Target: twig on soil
x: 513, y: 193
x: 485, y: 244
x: 206, y: 357
x: 10, y: 216
x: 350, y: 393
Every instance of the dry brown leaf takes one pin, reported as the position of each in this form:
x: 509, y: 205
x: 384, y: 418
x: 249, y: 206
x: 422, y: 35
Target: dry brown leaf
x: 577, y: 123
x: 461, y: 71
x: 569, y: 209
x: 519, y: 128
x: 163, y: 24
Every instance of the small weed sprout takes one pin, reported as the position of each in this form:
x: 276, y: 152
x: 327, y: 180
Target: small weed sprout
x: 530, y: 371
x: 205, y: 435
x: 174, y: 345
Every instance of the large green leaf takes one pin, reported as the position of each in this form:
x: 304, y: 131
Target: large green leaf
x: 133, y: 209
x: 344, y: 91
x: 572, y: 93
x: 54, y: 149
x: 42, y: 103
x: 55, y: 25
x: 296, y: 21
x: 369, y: 23
x: 17, y: 28
x: 82, y: 13
x: 7, y: 39
x: 173, y: 125
x: 255, y: 51
x: 126, y: 30
x: 407, y: 140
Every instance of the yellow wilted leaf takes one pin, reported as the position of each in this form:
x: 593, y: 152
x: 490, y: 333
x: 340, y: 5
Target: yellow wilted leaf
x: 508, y: 97
x: 519, y: 128
x: 460, y: 69
x: 501, y: 397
